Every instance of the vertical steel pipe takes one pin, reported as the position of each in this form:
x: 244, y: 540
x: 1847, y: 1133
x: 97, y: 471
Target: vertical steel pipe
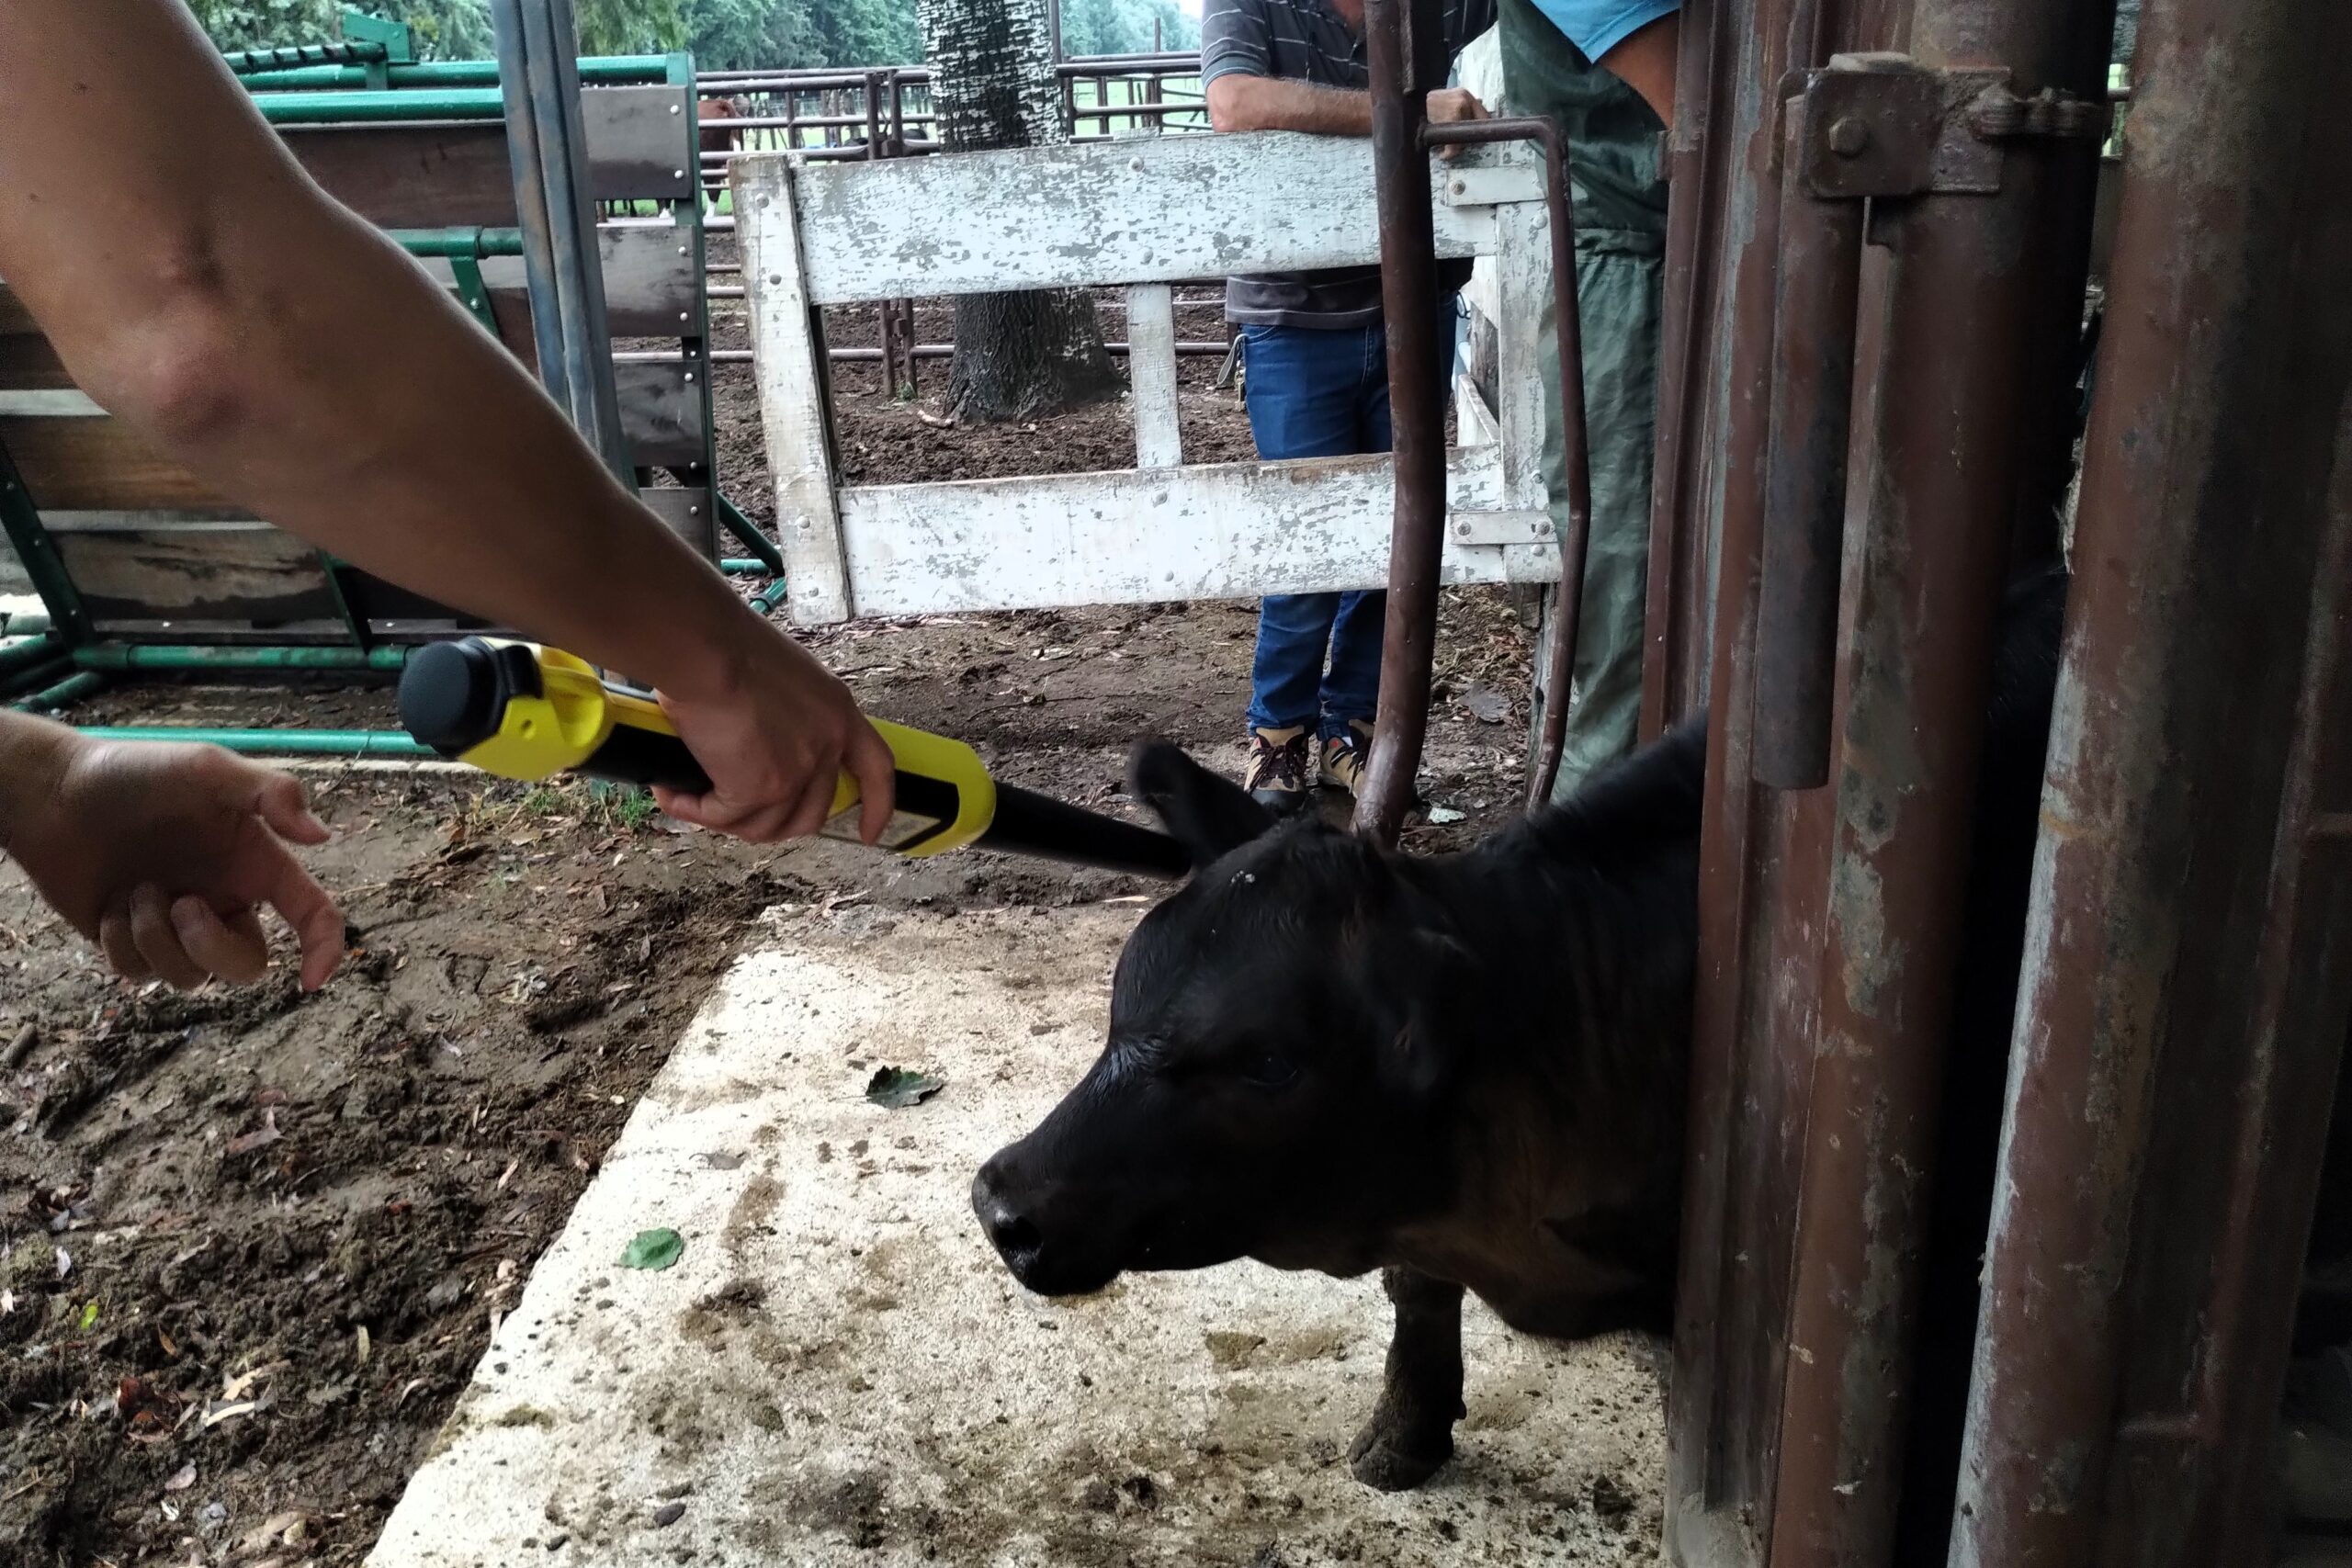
x: 1966, y: 289
x: 1804, y: 475
x: 540, y: 77
x: 2203, y: 529
x: 1408, y: 294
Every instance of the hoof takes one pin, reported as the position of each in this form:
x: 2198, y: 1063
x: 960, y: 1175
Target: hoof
x: 1389, y: 1457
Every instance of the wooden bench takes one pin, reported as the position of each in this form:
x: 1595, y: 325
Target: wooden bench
x: 124, y: 544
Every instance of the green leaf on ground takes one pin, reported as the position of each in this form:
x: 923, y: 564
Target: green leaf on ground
x: 90, y: 1316
x: 653, y: 1250
x: 895, y: 1089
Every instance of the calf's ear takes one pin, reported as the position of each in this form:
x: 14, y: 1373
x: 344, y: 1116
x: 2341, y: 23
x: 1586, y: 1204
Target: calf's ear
x: 1207, y: 814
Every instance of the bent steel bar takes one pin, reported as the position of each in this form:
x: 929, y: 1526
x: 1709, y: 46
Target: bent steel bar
x: 1416, y: 410
x: 1575, y: 446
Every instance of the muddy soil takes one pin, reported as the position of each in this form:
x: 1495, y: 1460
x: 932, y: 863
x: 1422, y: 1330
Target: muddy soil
x: 252, y: 1242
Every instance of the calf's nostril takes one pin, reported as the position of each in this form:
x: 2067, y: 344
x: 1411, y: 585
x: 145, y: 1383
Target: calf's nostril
x: 1013, y: 1234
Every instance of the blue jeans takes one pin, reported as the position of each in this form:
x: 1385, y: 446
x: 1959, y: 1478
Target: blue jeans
x: 1315, y: 393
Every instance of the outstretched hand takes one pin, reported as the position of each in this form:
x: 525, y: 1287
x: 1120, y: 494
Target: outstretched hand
x: 165, y: 855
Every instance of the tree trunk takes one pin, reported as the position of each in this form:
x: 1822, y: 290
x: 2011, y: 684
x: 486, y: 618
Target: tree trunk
x: 1017, y: 355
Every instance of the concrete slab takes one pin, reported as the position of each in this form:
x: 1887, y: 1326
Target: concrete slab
x: 839, y: 1371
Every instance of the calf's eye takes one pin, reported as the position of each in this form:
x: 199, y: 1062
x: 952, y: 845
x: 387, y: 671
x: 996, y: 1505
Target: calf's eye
x: 1269, y: 1070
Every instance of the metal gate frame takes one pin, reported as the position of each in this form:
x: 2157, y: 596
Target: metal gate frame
x: 1828, y: 913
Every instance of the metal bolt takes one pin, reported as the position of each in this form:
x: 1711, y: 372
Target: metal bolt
x: 1135, y: 163
x: 1460, y: 187
x: 1849, y: 136
x: 677, y: 174
x: 685, y: 316
x: 673, y: 108
x: 775, y: 278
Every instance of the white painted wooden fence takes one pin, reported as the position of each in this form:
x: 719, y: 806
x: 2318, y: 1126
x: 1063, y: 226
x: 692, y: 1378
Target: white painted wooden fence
x: 1144, y: 212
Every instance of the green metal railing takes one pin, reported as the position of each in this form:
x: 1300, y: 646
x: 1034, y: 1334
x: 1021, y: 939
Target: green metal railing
x: 278, y: 742
x: 613, y: 71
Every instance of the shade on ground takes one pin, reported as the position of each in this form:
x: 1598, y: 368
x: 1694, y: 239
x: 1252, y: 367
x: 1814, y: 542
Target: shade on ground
x: 838, y: 1370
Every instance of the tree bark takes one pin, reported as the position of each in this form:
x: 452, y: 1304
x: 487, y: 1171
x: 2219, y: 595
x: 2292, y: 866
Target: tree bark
x: 1017, y: 355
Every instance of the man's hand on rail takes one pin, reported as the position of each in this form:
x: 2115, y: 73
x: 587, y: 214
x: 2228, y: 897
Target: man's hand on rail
x: 1450, y: 106
x: 202, y: 290
x: 165, y: 856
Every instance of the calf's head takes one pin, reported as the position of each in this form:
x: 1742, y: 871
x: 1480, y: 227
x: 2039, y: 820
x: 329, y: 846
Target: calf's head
x: 1271, y: 1085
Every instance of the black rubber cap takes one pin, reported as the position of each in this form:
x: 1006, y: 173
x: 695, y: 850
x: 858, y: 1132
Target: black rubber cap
x: 453, y: 694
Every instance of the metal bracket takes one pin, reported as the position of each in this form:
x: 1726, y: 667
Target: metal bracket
x: 36, y: 552
x: 1493, y: 185
x: 1885, y: 125
x: 1495, y: 528
x: 357, y: 624
x: 466, y: 267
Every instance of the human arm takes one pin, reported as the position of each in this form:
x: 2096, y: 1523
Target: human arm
x: 199, y: 286
x: 164, y: 854
x: 1645, y: 62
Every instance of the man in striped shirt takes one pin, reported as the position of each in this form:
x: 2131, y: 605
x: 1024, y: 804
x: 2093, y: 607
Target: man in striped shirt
x: 1314, y: 357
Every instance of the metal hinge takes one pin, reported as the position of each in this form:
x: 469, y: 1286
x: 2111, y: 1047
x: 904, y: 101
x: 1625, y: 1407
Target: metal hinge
x: 1885, y: 125
x: 1499, y: 527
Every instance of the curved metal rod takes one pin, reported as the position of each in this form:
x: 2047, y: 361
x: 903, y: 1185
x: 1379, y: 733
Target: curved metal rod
x: 1574, y: 448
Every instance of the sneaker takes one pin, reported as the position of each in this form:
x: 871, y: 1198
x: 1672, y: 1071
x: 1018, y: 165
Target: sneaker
x: 1345, y: 755
x: 1279, y: 761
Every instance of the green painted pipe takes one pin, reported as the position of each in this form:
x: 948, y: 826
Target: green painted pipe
x: 460, y: 241
x: 114, y: 656
x: 63, y: 695
x: 743, y: 566
x: 376, y: 109
x: 618, y: 71
x: 279, y: 742
x: 29, y: 623
x: 25, y: 655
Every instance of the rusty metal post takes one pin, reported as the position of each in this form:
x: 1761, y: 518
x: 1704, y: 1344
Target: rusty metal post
x: 2203, y: 520
x: 1805, y: 484
x: 1965, y: 293
x: 1408, y: 294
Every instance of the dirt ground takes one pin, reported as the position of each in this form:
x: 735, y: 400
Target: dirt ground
x: 253, y: 1243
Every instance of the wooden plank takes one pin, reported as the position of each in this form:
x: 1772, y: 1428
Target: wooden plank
x: 794, y: 412
x: 1523, y: 267
x: 662, y: 414
x: 689, y: 515
x: 1472, y: 418
x: 1145, y: 211
x: 453, y: 172
x: 1151, y: 375
x: 245, y: 572
x: 1217, y: 531
x: 650, y: 285
x: 96, y: 463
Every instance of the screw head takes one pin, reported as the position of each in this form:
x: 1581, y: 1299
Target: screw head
x: 1849, y: 136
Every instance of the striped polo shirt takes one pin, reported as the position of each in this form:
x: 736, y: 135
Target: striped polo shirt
x: 1307, y: 41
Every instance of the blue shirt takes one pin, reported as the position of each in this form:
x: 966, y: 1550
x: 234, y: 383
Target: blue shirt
x: 1596, y: 27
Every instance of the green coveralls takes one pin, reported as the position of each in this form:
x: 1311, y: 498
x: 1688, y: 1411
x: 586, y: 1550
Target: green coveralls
x: 1614, y: 144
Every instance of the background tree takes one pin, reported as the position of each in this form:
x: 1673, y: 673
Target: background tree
x: 993, y: 86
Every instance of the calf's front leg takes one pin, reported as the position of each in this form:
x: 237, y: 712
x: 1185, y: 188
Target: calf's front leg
x: 1410, y: 1433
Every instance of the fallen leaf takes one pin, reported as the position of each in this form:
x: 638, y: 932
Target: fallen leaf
x: 1486, y: 707
x: 365, y: 1345
x: 89, y: 1319
x: 261, y: 1138
x: 170, y: 1346
x: 1443, y: 816
x: 221, y: 1410
x: 181, y: 1479
x: 64, y: 1263
x: 895, y: 1089
x: 653, y: 1250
